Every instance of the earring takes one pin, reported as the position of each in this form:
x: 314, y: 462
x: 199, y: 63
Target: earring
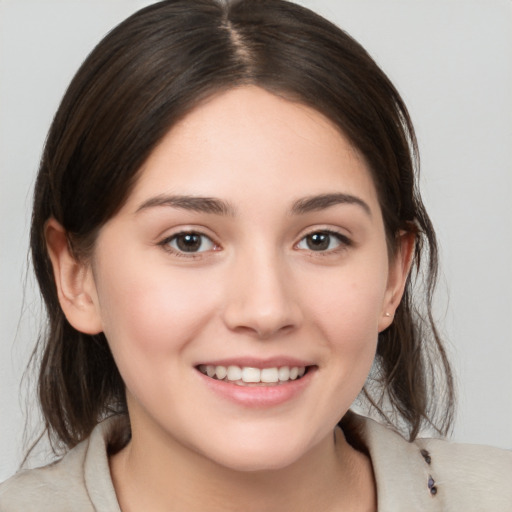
x: 387, y: 314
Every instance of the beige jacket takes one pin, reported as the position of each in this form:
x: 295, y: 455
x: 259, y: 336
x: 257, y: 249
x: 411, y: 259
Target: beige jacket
x: 426, y: 475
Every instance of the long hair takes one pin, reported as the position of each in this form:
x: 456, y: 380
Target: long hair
x: 147, y: 74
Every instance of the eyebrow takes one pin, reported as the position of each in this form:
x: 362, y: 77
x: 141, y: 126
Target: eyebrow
x: 192, y: 203
x: 323, y: 201
x: 216, y: 206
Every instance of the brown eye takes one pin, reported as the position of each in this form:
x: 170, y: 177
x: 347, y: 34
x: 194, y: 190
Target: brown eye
x: 318, y: 241
x: 190, y: 243
x: 323, y: 241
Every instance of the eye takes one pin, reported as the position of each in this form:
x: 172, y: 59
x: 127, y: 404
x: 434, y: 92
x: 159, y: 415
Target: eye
x: 322, y: 241
x: 189, y: 242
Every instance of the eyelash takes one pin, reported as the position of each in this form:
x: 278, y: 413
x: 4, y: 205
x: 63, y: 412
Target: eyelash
x: 343, y: 240
x: 165, y: 243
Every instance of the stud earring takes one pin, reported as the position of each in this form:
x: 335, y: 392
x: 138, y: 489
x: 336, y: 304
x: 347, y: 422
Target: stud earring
x: 387, y: 314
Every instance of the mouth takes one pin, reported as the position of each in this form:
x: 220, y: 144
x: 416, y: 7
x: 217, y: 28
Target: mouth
x: 258, y: 384
x: 251, y: 376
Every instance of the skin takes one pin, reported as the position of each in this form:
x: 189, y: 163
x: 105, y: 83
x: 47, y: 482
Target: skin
x: 255, y: 288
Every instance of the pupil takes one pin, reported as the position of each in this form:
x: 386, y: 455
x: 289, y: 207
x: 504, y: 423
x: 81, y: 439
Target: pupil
x: 189, y: 243
x: 318, y: 241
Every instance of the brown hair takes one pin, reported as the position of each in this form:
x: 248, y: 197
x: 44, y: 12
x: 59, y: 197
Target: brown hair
x: 148, y: 73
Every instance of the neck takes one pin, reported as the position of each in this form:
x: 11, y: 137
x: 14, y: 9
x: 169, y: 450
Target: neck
x: 149, y: 475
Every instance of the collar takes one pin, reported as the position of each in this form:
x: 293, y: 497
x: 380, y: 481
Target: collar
x: 401, y: 468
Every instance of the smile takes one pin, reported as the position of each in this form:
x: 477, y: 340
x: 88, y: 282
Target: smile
x: 250, y: 382
x: 250, y: 376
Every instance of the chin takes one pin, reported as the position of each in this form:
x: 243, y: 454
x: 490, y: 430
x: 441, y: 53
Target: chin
x: 259, y: 453
x: 257, y: 462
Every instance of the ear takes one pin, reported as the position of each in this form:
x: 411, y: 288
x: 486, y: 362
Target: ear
x: 399, y: 268
x: 74, y: 281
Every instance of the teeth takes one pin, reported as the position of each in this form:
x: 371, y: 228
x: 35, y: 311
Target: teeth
x: 284, y: 373
x: 221, y: 372
x: 269, y: 375
x: 251, y: 375
x: 234, y: 373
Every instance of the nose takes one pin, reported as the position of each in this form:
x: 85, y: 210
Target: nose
x: 260, y: 300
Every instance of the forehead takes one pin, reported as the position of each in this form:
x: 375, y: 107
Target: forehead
x: 249, y: 140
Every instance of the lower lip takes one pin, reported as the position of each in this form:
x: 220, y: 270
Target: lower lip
x: 259, y: 396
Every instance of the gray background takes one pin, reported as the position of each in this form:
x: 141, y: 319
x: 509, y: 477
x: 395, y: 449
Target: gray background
x: 452, y: 62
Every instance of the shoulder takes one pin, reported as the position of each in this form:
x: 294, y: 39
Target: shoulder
x: 80, y: 481
x: 59, y: 485
x: 435, y: 474
x: 478, y: 477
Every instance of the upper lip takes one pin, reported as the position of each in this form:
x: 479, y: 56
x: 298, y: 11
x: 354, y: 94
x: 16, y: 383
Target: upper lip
x: 255, y: 362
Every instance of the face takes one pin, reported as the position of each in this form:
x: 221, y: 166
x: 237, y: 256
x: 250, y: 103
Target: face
x: 243, y: 284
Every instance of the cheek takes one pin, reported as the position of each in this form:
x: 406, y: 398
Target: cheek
x: 148, y: 310
x: 347, y: 304
x: 346, y: 307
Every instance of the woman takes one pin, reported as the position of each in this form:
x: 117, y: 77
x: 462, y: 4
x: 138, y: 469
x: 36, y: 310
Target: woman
x: 224, y: 225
